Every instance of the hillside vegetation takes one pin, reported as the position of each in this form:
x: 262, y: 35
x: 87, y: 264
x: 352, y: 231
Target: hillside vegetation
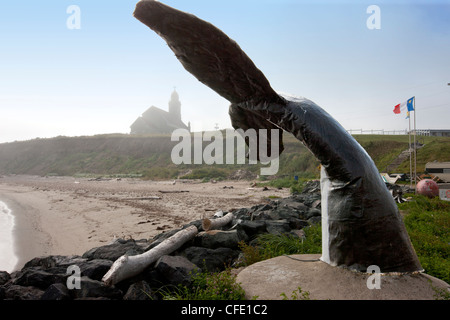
x: 149, y: 156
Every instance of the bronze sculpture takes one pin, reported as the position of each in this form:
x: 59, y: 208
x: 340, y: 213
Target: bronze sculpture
x: 360, y: 220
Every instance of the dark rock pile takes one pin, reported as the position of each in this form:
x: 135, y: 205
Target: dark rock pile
x: 53, y: 277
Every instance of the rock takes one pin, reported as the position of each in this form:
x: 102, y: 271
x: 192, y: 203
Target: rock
x: 15, y: 292
x: 311, y: 199
x: 312, y: 186
x: 285, y: 213
x: 95, y: 289
x: 315, y: 220
x: 48, y: 262
x: 4, y: 277
x: 140, y: 291
x: 313, y: 212
x: 211, y: 259
x: 95, y: 269
x: 293, y: 204
x: 115, y: 250
x: 34, y: 277
x: 317, y: 204
x: 176, y: 269
x: 253, y: 228
x: 297, y: 224
x: 277, y: 226
x: 152, y: 277
x: 214, y: 239
x: 242, y: 214
x: 57, y: 291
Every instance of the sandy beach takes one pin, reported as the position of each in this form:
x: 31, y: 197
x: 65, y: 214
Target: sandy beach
x: 68, y: 216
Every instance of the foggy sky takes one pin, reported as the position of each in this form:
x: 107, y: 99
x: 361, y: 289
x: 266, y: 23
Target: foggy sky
x: 100, y: 78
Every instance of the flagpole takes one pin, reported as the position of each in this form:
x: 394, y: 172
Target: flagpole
x: 415, y: 152
x: 410, y: 153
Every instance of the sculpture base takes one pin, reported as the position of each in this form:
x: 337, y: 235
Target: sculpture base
x: 270, y: 278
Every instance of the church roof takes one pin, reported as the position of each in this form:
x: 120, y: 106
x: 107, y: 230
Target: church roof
x: 156, y: 120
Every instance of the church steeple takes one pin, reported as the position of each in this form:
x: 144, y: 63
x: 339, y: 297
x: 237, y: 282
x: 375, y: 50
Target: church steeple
x: 175, y: 105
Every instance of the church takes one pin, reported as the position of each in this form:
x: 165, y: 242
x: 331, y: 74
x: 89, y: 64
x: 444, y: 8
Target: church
x: 156, y: 120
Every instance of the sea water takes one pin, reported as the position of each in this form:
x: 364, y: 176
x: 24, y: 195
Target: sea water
x: 8, y: 259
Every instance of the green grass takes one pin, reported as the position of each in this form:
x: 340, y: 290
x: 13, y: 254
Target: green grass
x: 208, y: 286
x: 270, y: 245
x: 428, y: 224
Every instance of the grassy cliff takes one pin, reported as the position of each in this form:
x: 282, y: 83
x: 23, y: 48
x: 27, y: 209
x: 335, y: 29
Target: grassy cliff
x: 150, y: 156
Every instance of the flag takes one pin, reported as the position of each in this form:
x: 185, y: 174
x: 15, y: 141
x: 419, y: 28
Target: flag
x: 398, y: 108
x: 410, y: 104
x: 407, y: 115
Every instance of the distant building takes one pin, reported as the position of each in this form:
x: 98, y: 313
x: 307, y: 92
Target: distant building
x: 156, y: 120
x: 439, y: 169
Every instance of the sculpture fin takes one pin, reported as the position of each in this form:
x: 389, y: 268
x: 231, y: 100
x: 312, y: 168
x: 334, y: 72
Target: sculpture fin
x: 207, y: 53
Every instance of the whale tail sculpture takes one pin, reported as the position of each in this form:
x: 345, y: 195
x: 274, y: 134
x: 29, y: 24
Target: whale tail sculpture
x: 361, y: 224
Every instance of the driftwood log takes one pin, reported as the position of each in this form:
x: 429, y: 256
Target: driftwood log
x: 211, y: 224
x: 128, y: 266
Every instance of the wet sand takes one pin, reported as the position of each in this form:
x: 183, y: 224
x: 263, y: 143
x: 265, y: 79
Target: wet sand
x: 68, y: 216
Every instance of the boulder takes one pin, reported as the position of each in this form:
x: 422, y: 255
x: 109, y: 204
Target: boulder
x: 313, y: 212
x: 278, y: 226
x: 253, y: 228
x: 57, y: 291
x: 211, y: 259
x: 139, y: 291
x: 293, y: 204
x: 115, y: 250
x: 95, y: 289
x: 176, y: 269
x: 15, y: 292
x: 4, y: 277
x: 243, y: 214
x: 95, y: 269
x: 315, y: 220
x: 297, y: 224
x: 47, y: 262
x: 214, y: 239
x: 34, y: 277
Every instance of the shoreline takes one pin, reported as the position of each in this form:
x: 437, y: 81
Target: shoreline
x: 69, y: 216
x: 29, y: 240
x: 8, y: 258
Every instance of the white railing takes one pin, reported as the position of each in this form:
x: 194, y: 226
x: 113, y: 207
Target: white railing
x: 419, y: 132
x: 379, y: 131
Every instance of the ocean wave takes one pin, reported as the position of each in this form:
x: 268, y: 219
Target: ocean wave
x: 8, y: 258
